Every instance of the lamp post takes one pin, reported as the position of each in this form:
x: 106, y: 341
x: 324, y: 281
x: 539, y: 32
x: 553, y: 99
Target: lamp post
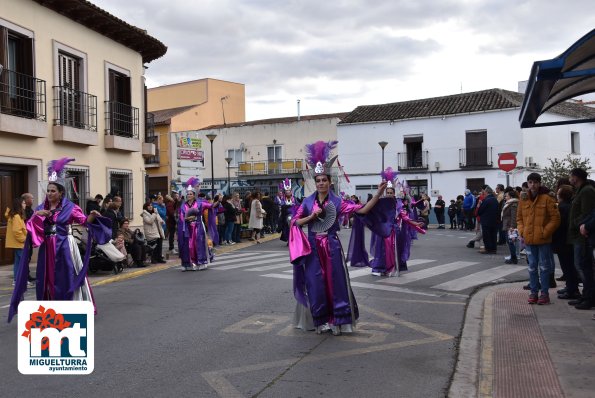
x: 211, y: 138
x: 383, y: 145
x: 228, y: 160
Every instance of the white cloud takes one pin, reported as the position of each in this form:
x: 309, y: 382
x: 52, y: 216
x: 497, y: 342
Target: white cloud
x: 335, y: 55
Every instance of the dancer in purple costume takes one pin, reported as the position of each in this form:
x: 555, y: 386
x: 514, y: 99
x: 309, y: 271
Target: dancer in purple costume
x: 321, y: 281
x: 193, y: 246
x: 61, y: 272
x: 287, y: 206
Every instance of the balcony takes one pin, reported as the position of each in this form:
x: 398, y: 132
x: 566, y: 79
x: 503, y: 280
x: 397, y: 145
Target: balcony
x: 75, y: 116
x: 122, y: 125
x: 412, y: 161
x: 22, y: 104
x: 149, y: 146
x: 266, y: 167
x: 475, y: 157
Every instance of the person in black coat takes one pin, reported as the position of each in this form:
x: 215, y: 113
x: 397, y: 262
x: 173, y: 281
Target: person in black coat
x: 488, y: 217
x: 94, y: 204
x: 562, y: 248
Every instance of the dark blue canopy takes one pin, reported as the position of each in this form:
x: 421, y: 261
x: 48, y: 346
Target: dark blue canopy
x: 553, y: 81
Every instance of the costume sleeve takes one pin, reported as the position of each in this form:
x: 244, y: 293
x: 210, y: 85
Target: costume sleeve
x: 405, y: 218
x: 35, y: 229
x: 77, y: 216
x: 348, y: 208
x: 298, y: 244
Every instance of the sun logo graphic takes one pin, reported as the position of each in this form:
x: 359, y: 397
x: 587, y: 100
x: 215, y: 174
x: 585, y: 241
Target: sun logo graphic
x: 56, y: 337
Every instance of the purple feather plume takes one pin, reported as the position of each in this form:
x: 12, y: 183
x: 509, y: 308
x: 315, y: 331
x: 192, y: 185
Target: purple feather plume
x: 192, y: 182
x: 389, y: 174
x: 319, y: 151
x: 58, y: 166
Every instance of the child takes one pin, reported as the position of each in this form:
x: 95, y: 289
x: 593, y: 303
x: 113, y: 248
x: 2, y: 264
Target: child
x: 452, y: 214
x: 121, y: 244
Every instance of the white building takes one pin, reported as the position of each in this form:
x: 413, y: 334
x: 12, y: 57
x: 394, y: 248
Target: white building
x: 443, y: 145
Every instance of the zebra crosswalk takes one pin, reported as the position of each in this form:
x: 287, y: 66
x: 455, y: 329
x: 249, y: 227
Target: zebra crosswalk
x: 423, y: 277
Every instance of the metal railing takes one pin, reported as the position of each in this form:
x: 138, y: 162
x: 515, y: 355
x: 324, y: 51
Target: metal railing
x: 150, y: 128
x: 416, y: 160
x: 475, y: 157
x: 152, y: 159
x: 22, y: 95
x: 267, y: 167
x: 121, y: 119
x: 75, y: 108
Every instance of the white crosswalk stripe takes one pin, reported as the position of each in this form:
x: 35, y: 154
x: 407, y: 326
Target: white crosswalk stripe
x: 478, y: 278
x: 285, y: 264
x: 428, y: 272
x: 244, y: 264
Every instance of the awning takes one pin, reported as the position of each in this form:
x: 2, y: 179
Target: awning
x: 556, y: 80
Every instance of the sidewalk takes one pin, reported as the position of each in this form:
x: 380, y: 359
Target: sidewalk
x: 104, y: 277
x: 510, y: 348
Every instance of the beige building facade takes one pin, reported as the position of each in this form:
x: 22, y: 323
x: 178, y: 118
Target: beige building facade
x: 72, y: 84
x: 262, y: 153
x: 183, y: 107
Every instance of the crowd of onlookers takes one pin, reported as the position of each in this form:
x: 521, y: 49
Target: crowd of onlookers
x: 538, y: 222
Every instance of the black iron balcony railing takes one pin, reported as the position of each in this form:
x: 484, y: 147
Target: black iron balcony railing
x: 266, y: 167
x: 416, y: 160
x: 152, y: 159
x: 74, y: 108
x: 22, y: 95
x: 475, y: 157
x: 150, y: 128
x: 121, y: 119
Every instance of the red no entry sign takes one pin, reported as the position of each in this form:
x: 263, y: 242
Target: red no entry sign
x: 507, y: 161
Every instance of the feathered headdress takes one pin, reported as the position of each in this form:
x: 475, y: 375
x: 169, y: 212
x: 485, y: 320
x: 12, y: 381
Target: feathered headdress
x: 57, y: 170
x: 286, y: 184
x: 191, y: 184
x: 318, y: 156
x: 389, y: 175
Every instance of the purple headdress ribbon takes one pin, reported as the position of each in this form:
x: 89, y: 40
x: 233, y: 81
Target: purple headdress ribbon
x: 287, y: 184
x: 192, y: 183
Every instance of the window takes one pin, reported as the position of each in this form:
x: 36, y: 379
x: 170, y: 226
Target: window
x: 121, y: 116
x: 475, y: 184
x: 274, y: 153
x: 235, y: 155
x: 120, y: 182
x: 80, y: 185
x: 18, y: 86
x: 417, y: 187
x: 476, y: 148
x: 575, y: 142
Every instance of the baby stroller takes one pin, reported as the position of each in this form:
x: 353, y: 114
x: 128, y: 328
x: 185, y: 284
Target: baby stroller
x: 147, y: 247
x: 104, y: 257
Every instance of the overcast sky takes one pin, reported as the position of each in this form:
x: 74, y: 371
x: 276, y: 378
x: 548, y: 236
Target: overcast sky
x: 336, y: 55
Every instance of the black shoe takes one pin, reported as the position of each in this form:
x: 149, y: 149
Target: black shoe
x: 562, y: 291
x: 569, y: 296
x: 527, y: 287
x: 561, y: 279
x: 584, y: 305
x: 511, y: 261
x: 575, y: 302
x: 471, y: 245
x: 162, y: 261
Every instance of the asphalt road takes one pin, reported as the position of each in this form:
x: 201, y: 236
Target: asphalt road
x: 227, y: 331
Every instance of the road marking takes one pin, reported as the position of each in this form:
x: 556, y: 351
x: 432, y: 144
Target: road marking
x: 248, y: 264
x: 225, y: 257
x: 478, y: 278
x: 257, y: 324
x: 355, y: 272
x: 278, y: 276
x: 390, y: 289
x: 428, y: 272
x: 285, y: 264
x: 419, y: 261
x: 254, y: 257
x: 218, y: 379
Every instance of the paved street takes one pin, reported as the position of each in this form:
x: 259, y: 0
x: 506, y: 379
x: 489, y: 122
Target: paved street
x: 227, y: 331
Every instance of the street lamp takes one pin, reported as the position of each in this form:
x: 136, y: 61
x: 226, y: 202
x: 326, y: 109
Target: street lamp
x: 383, y: 145
x: 211, y: 138
x: 228, y: 160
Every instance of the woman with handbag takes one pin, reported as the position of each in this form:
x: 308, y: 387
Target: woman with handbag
x: 152, y: 225
x: 257, y: 214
